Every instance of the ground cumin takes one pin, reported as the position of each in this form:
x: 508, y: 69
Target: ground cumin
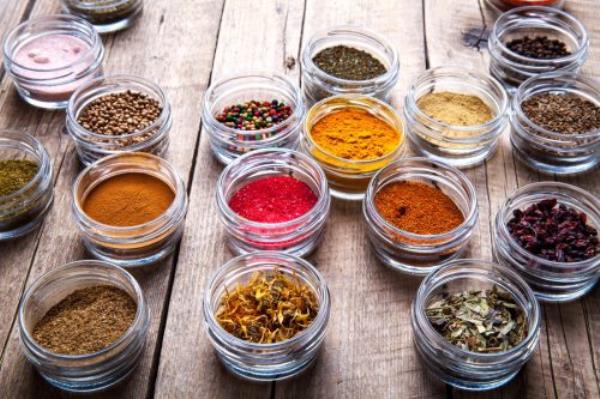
x: 355, y: 134
x: 417, y: 208
x: 128, y: 200
x: 86, y: 321
x: 455, y: 109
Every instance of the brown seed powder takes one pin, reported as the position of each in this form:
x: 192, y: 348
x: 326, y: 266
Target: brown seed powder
x: 86, y: 321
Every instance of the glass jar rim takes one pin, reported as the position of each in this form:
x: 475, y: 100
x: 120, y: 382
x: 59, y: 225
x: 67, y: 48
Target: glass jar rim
x: 322, y: 292
x: 515, y: 246
x: 70, y: 21
x: 411, y: 101
x: 549, y: 12
x: 323, y: 200
x: 138, y: 319
x: 528, y: 84
x: 179, y: 186
x: 420, y: 299
x: 307, y: 60
x: 116, y: 80
x: 437, y: 165
x: 297, y: 110
x: 354, y: 101
x: 40, y: 152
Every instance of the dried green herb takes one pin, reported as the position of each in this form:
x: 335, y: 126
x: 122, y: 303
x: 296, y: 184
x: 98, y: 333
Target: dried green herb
x: 349, y: 63
x: 486, y: 321
x: 15, y: 174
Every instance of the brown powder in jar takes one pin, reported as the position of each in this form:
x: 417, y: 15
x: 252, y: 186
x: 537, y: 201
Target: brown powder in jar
x: 86, y: 321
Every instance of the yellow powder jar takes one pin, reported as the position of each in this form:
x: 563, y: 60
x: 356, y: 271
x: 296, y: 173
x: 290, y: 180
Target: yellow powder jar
x: 349, y: 177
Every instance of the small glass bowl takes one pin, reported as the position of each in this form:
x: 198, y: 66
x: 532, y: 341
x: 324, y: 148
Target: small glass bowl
x: 135, y: 245
x: 457, y: 367
x: 229, y: 143
x: 511, y: 68
x: 551, y: 281
x: 317, y: 84
x: 547, y: 151
x: 266, y: 362
x: 299, y: 236
x: 460, y: 146
x: 51, y: 88
x: 108, y: 15
x: 91, y: 372
x: 92, y: 146
x: 24, y: 210
x: 349, y: 178
x: 501, y: 6
x: 419, y: 254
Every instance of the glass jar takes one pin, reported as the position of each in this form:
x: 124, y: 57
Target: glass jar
x: 299, y: 236
x: 460, y: 146
x: 266, y: 362
x: 228, y: 143
x: 132, y: 245
x: 465, y: 369
x: 547, y: 151
x: 317, y: 84
x: 512, y: 68
x: 24, y: 210
x: 106, y: 15
x: 420, y: 254
x: 91, y: 372
x: 348, y: 178
x: 505, y: 5
x: 51, y: 88
x: 550, y: 280
x: 91, y: 146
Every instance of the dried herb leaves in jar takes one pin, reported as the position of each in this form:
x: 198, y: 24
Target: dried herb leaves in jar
x: 483, y: 321
x: 538, y: 47
x: 562, y: 112
x: 270, y: 307
x: 86, y: 321
x: 349, y: 63
x: 103, y: 11
x: 554, y: 231
x: 15, y: 174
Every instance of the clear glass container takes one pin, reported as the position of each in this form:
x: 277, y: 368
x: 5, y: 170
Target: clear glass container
x: 317, y: 84
x: 91, y: 146
x: 505, y: 5
x: 547, y: 151
x: 266, y: 362
x: 91, y: 372
x: 229, y: 143
x: 550, y: 280
x: 460, y: 146
x: 299, y: 236
x: 51, y: 88
x: 348, y: 178
x: 24, y: 210
x: 420, y: 254
x: 106, y: 15
x: 135, y: 245
x: 512, y: 68
x: 461, y: 368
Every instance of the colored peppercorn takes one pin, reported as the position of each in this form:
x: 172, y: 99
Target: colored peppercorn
x: 254, y: 115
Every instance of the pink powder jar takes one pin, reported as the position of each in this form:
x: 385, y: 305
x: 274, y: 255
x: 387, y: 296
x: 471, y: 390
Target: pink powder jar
x: 50, y: 57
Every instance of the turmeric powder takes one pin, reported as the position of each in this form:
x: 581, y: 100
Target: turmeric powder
x: 355, y: 134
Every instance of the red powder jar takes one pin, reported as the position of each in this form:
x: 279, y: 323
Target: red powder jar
x: 273, y: 199
x: 505, y: 5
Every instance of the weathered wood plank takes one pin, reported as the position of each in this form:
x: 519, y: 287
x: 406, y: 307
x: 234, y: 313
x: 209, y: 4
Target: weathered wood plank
x: 163, y: 47
x: 263, y: 37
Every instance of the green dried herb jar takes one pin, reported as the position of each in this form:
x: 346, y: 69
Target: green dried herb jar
x: 106, y: 15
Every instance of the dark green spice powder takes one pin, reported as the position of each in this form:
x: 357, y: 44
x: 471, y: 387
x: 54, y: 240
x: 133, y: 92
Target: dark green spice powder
x: 15, y: 174
x: 349, y: 63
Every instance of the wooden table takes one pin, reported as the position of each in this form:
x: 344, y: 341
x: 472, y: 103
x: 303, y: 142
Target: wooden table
x: 184, y: 45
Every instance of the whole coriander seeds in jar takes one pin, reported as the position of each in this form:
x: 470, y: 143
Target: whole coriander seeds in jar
x: 118, y: 113
x: 348, y: 60
x: 106, y: 15
x: 419, y: 214
x: 548, y: 232
x: 352, y: 137
x: 238, y: 304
